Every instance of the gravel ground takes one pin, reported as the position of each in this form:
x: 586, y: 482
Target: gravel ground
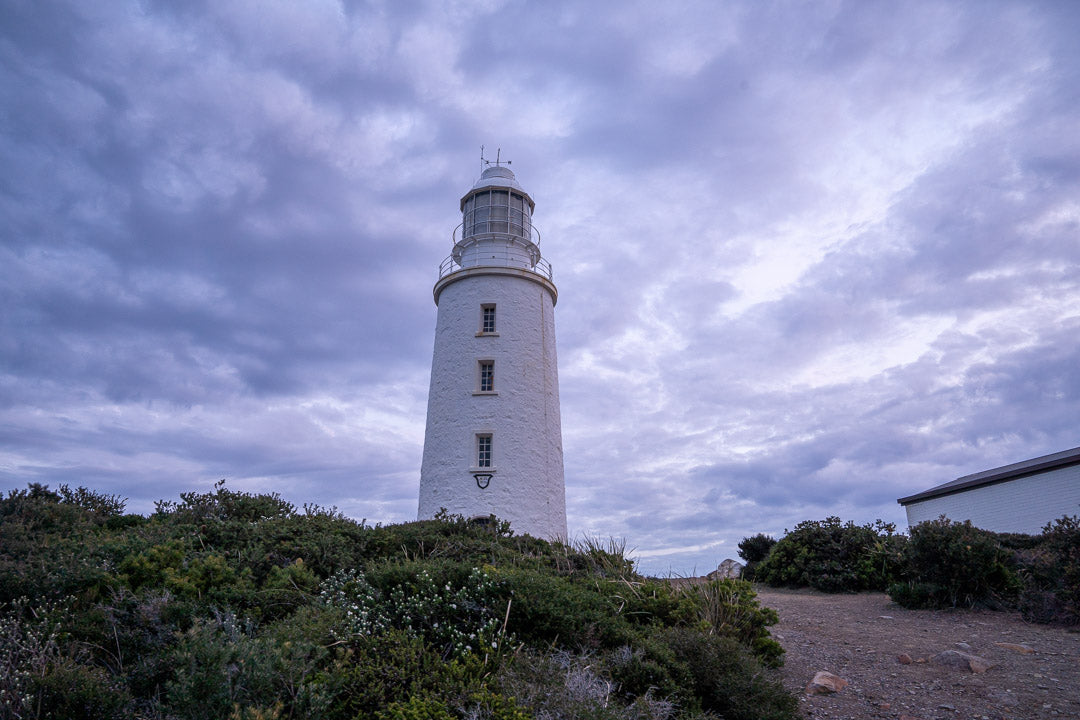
x: 861, y: 638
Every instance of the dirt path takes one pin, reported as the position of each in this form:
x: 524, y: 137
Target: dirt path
x: 861, y: 638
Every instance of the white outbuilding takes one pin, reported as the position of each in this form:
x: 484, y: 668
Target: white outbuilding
x: 1018, y: 498
x: 493, y: 443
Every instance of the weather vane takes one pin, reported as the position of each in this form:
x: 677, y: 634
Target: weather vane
x: 497, y: 161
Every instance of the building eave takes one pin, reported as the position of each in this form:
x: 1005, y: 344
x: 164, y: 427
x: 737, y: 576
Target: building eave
x: 1033, y: 466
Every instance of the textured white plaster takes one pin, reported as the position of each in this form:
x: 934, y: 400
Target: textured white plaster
x: 522, y: 416
x: 1022, y: 505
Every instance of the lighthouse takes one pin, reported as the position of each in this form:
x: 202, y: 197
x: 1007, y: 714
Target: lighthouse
x: 493, y: 443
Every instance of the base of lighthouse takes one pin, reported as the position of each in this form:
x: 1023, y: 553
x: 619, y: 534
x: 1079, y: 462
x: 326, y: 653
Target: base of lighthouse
x: 516, y: 420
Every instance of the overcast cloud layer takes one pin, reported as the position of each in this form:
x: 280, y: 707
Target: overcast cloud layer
x: 811, y: 257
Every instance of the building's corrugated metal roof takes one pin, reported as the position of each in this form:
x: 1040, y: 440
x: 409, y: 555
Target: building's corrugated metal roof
x: 1001, y: 474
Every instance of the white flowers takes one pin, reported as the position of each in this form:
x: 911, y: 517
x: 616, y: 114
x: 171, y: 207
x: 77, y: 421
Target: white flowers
x: 443, y: 616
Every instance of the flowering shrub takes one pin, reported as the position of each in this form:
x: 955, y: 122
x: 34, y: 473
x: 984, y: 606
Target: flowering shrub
x: 230, y: 605
x: 26, y: 651
x: 457, y: 620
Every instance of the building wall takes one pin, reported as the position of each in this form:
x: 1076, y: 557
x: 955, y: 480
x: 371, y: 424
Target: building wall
x: 1023, y: 505
x: 527, y: 487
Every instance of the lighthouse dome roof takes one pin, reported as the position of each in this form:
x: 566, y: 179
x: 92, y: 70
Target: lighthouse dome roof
x: 498, y: 176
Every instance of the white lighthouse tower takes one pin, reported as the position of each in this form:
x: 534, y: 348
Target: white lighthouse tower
x: 493, y: 444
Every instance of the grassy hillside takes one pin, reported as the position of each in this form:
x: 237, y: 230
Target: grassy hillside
x: 231, y: 605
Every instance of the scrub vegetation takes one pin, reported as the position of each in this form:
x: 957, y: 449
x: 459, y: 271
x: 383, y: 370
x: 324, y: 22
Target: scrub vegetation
x: 942, y: 564
x: 241, y: 606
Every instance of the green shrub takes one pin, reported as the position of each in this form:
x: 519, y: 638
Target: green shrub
x: 372, y: 672
x: 224, y: 504
x: 727, y: 679
x: 730, y: 608
x: 212, y: 608
x: 754, y: 550
x: 221, y: 665
x: 416, y: 708
x: 833, y: 556
x: 951, y: 564
x: 1051, y: 574
x: 623, y: 684
x: 548, y: 609
x: 287, y: 588
x: 214, y: 669
x: 74, y: 691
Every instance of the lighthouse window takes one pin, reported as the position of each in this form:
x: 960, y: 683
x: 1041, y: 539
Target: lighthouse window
x: 483, y: 451
x: 498, y: 219
x: 487, y: 323
x: 487, y: 376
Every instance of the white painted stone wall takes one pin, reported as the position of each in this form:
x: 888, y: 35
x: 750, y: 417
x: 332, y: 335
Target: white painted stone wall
x: 523, y: 416
x: 1022, y: 505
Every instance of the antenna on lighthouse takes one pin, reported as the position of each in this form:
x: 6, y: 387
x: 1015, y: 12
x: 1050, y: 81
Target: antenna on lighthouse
x: 497, y: 161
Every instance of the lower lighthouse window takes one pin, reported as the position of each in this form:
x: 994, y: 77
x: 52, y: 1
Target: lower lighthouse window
x: 483, y: 451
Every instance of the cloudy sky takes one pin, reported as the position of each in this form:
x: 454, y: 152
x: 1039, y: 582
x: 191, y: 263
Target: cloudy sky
x: 811, y: 256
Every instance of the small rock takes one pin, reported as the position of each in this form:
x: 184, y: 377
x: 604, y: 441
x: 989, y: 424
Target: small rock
x: 1005, y: 698
x: 885, y: 617
x: 963, y: 646
x: 904, y: 659
x: 1017, y: 647
x: 957, y: 659
x: 825, y: 682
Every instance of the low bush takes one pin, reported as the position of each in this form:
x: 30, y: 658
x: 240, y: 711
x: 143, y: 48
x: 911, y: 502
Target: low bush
x: 953, y: 564
x: 834, y: 556
x: 730, y: 608
x: 238, y: 606
x: 726, y: 678
x: 1051, y: 574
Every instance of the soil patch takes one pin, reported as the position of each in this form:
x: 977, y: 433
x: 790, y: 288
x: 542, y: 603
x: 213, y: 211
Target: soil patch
x: 867, y: 640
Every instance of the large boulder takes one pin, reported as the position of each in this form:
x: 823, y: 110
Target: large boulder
x: 727, y: 570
